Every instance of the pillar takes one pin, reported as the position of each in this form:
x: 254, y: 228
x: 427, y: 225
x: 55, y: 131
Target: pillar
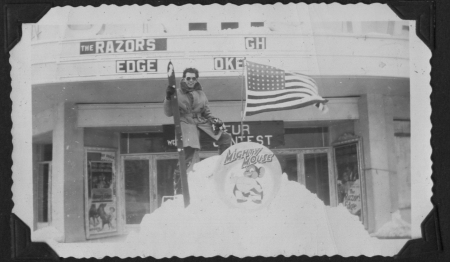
x: 374, y: 126
x: 67, y: 174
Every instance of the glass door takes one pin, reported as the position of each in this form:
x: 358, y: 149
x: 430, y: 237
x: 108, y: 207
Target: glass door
x: 165, y: 166
x: 164, y: 169
x: 289, y: 164
x: 317, y: 174
x: 350, y: 176
x: 139, y: 188
x: 312, y: 168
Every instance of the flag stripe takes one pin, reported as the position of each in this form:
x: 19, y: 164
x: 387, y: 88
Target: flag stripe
x: 296, y: 106
x: 265, y: 102
x: 289, y: 76
x: 284, y: 104
x: 300, y: 83
x: 277, y: 92
x: 276, y: 102
x: 310, y: 89
x: 278, y: 95
x: 262, y: 102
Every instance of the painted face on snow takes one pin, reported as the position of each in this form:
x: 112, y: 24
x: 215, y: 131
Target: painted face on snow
x: 190, y: 79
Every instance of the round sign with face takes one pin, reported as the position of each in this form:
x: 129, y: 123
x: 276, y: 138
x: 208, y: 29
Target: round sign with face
x: 248, y: 176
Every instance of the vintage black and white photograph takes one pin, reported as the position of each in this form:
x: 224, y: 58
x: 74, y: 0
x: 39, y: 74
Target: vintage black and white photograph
x: 218, y: 130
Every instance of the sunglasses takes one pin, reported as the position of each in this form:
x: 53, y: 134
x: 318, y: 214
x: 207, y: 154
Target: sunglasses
x: 189, y: 78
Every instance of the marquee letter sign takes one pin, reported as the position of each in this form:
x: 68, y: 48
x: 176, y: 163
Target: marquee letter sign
x: 137, y: 66
x: 255, y: 43
x: 123, y: 46
x: 228, y: 63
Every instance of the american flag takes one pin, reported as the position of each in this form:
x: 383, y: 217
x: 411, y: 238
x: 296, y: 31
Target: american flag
x: 272, y: 89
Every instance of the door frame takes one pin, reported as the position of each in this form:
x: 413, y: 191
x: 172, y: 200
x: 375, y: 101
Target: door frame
x: 152, y: 186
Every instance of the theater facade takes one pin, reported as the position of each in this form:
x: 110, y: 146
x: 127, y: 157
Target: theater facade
x: 104, y: 152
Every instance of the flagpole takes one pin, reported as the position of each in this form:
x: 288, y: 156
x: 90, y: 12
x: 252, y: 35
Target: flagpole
x: 242, y: 96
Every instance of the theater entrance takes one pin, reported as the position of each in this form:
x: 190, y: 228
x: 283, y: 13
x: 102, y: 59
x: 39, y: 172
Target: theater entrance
x: 147, y: 178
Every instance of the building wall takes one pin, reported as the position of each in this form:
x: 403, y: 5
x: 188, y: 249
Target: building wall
x: 68, y: 174
x: 74, y: 94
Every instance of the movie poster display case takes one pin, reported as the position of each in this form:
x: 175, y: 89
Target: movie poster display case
x: 100, y: 193
x: 350, y: 178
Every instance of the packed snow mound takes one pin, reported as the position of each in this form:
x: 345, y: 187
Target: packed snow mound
x: 396, y: 228
x: 349, y: 233
x: 296, y: 222
x: 47, y: 234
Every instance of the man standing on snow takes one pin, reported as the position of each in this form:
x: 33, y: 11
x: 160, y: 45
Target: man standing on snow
x: 194, y: 115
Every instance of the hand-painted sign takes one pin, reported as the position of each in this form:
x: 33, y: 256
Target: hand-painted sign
x: 353, y: 198
x: 228, y: 63
x: 248, y: 176
x: 123, y: 46
x: 137, y: 66
x: 255, y: 43
x: 267, y: 133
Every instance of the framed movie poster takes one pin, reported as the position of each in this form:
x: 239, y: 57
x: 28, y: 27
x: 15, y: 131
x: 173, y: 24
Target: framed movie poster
x: 350, y: 180
x: 100, y: 193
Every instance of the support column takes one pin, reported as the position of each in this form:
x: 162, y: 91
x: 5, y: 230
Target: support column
x: 392, y: 158
x: 374, y: 126
x: 68, y: 170
x: 37, y: 153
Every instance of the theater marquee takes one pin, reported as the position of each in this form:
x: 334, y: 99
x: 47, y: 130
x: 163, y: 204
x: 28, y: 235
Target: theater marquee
x: 123, y: 46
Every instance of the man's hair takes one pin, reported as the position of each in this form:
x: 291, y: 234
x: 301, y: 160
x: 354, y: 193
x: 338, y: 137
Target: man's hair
x: 190, y: 70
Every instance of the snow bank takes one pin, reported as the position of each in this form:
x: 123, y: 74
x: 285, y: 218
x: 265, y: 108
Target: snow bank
x: 349, y: 234
x: 296, y: 222
x: 47, y: 234
x: 396, y: 228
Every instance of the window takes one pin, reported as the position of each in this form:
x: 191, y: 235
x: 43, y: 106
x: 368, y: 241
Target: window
x: 390, y: 27
x: 349, y: 27
x: 198, y: 27
x: 132, y: 143
x: 42, y: 181
x: 257, y: 24
x: 230, y: 25
x: 306, y: 137
x: 43, y: 192
x: 377, y: 27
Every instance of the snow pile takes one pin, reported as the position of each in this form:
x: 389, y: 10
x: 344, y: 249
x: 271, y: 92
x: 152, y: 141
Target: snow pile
x: 296, y: 222
x: 396, y: 228
x: 47, y: 234
x: 349, y: 233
